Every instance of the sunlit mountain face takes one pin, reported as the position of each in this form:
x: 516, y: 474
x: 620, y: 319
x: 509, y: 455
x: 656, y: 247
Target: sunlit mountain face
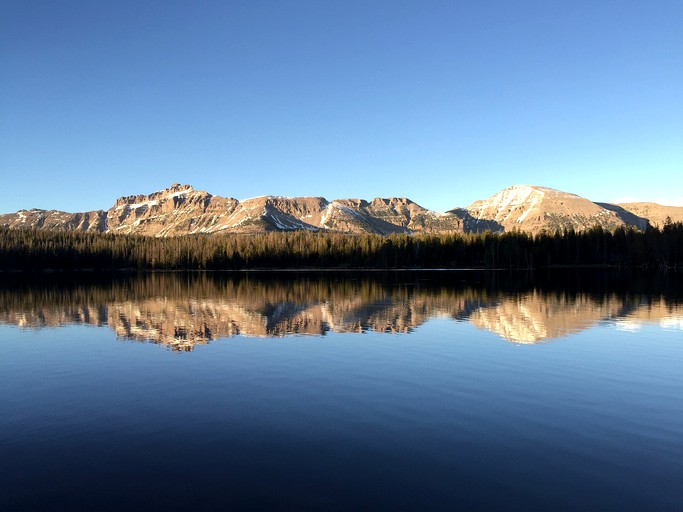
x: 180, y: 311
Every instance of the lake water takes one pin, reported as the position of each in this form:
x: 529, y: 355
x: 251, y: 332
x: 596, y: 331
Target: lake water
x: 342, y: 391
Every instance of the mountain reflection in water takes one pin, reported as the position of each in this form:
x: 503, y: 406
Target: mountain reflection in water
x: 184, y: 310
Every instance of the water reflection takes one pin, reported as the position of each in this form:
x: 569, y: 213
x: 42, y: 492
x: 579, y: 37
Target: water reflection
x: 184, y: 310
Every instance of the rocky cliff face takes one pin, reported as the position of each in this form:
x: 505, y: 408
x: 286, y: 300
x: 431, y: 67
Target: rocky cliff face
x: 181, y: 210
x: 178, y: 210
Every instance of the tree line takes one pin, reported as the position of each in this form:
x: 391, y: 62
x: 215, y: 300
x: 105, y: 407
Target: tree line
x: 32, y: 249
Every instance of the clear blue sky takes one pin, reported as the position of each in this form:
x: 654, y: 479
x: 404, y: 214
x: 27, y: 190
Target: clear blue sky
x: 442, y: 102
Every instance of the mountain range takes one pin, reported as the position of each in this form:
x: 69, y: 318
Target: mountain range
x: 181, y: 210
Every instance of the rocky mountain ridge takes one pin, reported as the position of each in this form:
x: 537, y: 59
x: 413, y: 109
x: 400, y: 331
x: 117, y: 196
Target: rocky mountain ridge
x: 180, y: 210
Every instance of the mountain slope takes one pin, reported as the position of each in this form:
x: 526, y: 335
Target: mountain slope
x: 534, y: 209
x: 626, y: 216
x: 656, y: 213
x: 54, y: 219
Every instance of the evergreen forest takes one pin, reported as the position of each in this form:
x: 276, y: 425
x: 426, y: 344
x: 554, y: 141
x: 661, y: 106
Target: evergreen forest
x: 32, y: 249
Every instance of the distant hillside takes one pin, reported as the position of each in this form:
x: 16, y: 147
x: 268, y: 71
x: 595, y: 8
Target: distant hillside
x: 655, y: 213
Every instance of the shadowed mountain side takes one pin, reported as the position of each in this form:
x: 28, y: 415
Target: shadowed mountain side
x: 626, y: 216
x: 473, y: 225
x: 181, y: 312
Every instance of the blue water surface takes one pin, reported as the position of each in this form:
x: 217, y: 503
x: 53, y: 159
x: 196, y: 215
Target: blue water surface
x: 446, y: 416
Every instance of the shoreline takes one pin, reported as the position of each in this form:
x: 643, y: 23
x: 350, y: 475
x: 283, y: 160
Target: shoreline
x: 332, y: 269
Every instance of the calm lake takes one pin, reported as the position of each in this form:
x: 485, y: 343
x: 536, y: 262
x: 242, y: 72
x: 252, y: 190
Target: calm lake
x: 455, y: 390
